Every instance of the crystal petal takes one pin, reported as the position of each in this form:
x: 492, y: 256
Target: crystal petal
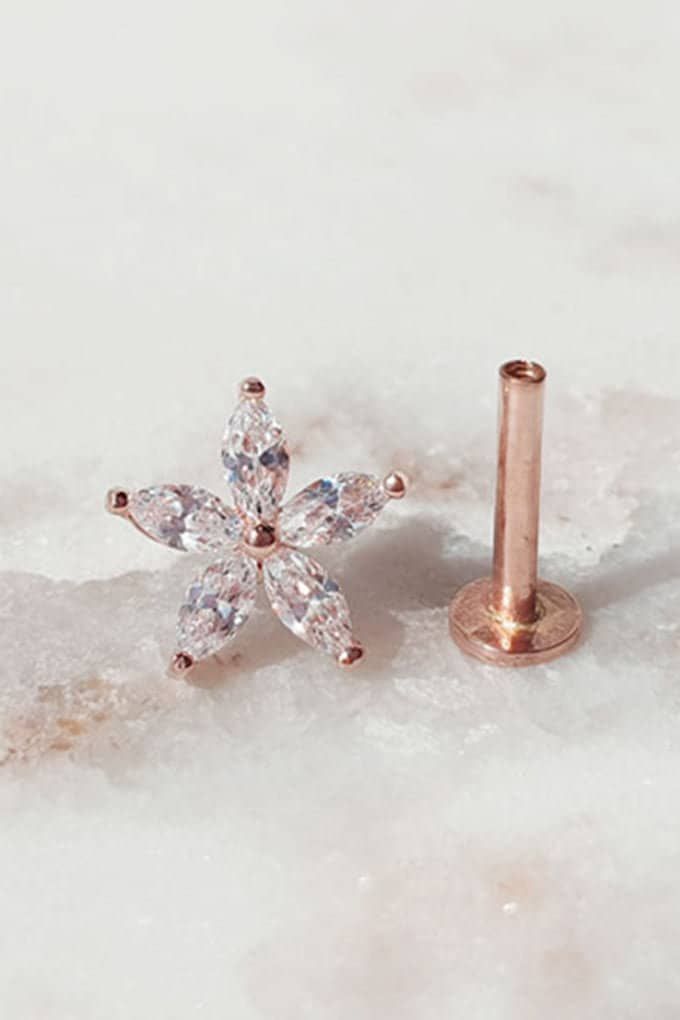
x: 216, y: 605
x: 332, y: 509
x: 255, y: 458
x: 308, y: 601
x: 184, y: 517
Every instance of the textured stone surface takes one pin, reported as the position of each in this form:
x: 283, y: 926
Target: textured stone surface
x: 371, y: 206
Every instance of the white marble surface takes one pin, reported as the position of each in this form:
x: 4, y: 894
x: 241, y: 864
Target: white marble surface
x: 371, y: 205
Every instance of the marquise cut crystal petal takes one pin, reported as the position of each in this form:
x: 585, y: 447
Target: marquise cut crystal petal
x: 332, y: 509
x: 184, y: 517
x: 255, y: 458
x: 216, y: 605
x: 308, y: 601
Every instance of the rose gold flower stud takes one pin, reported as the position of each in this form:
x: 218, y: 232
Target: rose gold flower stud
x: 259, y: 539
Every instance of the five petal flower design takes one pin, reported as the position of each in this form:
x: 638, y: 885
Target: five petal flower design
x: 259, y: 539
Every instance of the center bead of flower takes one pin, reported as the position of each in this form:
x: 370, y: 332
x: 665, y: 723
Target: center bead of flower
x: 259, y: 540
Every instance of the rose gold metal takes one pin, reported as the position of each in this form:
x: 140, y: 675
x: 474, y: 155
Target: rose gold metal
x: 518, y: 488
x: 351, y: 656
x: 259, y: 541
x: 513, y: 618
x: 117, y: 501
x: 396, y: 484
x: 181, y: 663
x: 253, y: 388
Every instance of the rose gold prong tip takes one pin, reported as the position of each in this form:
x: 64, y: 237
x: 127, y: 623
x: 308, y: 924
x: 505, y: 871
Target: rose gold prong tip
x: 181, y: 663
x: 351, y: 656
x: 117, y: 501
x: 252, y: 388
x: 396, y: 484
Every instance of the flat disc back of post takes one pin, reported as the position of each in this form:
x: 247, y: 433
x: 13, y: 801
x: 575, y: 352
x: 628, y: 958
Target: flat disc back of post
x: 481, y: 633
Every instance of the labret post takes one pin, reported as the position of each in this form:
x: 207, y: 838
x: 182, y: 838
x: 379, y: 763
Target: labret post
x: 513, y: 618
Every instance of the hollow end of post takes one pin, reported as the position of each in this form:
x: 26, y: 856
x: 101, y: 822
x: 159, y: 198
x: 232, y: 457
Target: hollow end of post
x: 519, y: 371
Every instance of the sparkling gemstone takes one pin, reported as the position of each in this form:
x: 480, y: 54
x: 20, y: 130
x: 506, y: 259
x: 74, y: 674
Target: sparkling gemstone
x: 184, y: 517
x: 216, y: 605
x: 255, y: 458
x: 308, y: 601
x: 332, y: 509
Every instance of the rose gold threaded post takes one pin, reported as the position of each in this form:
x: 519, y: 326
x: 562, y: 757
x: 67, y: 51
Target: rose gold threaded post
x: 512, y: 618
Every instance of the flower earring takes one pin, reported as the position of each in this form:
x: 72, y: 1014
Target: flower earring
x: 259, y: 539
